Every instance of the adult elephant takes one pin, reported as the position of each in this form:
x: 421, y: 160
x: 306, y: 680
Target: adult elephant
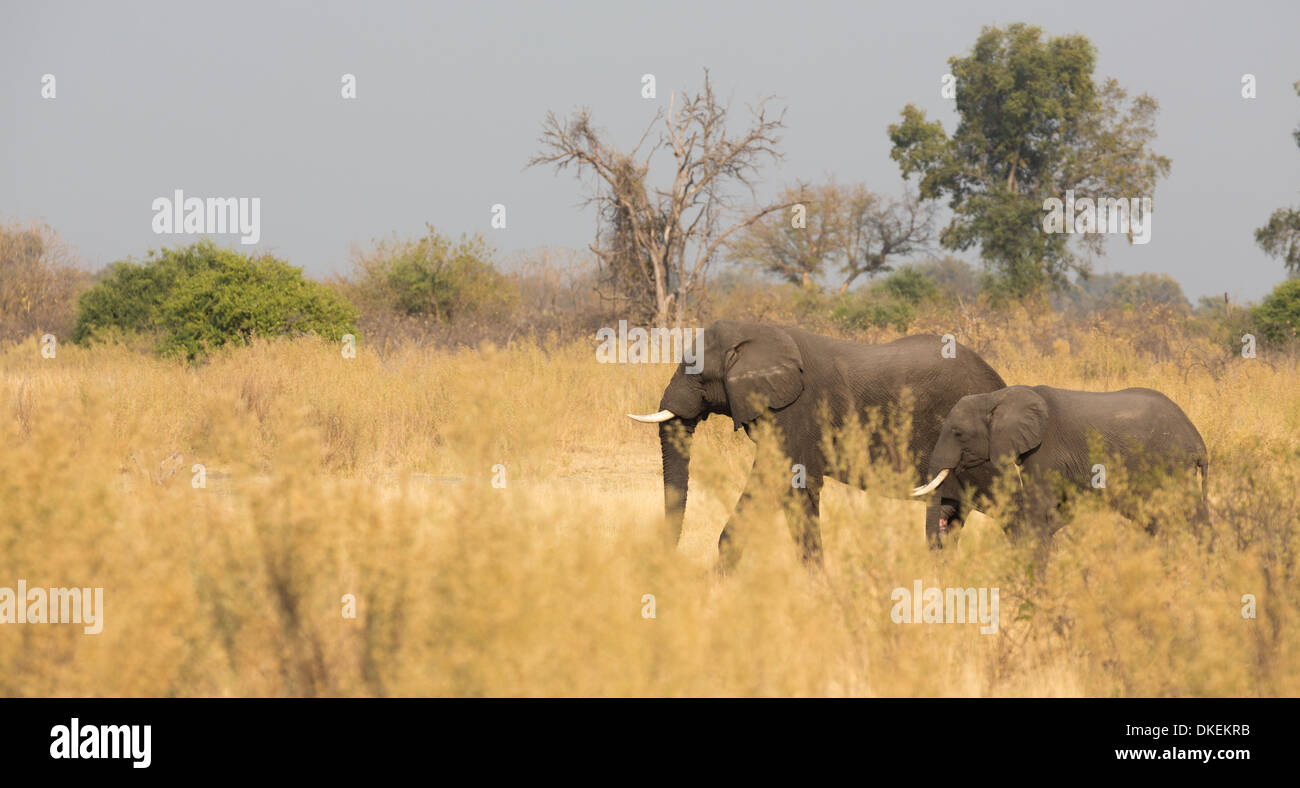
x: 1046, y: 431
x: 752, y: 371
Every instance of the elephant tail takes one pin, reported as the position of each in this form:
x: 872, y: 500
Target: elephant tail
x: 1203, y: 470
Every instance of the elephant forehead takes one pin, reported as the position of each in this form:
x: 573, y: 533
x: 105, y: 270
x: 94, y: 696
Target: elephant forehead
x: 965, y: 410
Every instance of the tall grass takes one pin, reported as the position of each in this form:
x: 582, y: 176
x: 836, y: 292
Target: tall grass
x: 373, y: 477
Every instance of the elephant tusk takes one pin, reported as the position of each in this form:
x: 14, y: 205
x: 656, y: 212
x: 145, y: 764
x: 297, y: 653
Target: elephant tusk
x: 654, y: 418
x: 935, y: 482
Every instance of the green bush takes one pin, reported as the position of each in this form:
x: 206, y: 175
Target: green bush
x: 909, y: 285
x: 431, y: 277
x: 1278, y: 316
x: 128, y: 295
x: 201, y: 297
x: 868, y: 310
x: 890, y: 302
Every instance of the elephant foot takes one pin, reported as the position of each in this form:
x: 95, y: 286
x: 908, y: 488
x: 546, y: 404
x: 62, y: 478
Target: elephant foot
x: 813, y: 559
x: 940, y: 521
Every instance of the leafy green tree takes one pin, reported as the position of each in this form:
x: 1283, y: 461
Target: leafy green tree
x: 201, y: 297
x: 1278, y: 316
x: 1033, y: 124
x: 1280, y: 237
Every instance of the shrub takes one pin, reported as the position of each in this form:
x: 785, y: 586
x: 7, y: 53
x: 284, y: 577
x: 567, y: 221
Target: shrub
x: 239, y: 298
x: 201, y: 297
x: 1138, y: 290
x: 431, y: 277
x: 40, y: 279
x: 955, y: 278
x: 1125, y: 291
x: 890, y: 302
x: 128, y: 295
x: 868, y: 310
x: 1278, y: 316
x: 909, y: 285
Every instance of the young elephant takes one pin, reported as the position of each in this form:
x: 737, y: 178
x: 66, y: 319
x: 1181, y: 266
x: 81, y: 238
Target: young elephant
x: 1046, y: 431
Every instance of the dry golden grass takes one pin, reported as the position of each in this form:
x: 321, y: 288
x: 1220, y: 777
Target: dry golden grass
x: 328, y: 476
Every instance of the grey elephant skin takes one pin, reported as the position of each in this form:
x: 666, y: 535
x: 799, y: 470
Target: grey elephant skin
x: 1046, y: 431
x: 753, y: 371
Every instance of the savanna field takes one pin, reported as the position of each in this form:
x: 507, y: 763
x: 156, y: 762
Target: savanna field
x: 325, y: 476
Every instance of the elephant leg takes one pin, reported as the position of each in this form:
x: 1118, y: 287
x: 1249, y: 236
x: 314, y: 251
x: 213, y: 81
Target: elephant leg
x: 945, y: 514
x: 730, y: 541
x: 805, y: 526
x: 804, y: 516
x: 1201, y: 519
x: 1043, y: 514
x: 1028, y: 518
x: 803, y: 511
x: 1040, y: 518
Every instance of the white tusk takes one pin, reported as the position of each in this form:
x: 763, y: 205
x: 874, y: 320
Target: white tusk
x: 654, y: 418
x: 935, y: 482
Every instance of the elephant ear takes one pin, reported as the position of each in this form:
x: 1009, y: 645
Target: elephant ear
x: 763, y: 370
x: 1019, y: 418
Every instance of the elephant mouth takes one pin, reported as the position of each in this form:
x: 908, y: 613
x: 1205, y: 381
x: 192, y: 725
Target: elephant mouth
x: 946, y: 514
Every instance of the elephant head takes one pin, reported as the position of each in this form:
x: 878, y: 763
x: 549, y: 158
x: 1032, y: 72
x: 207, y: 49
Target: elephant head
x: 744, y: 370
x: 983, y: 428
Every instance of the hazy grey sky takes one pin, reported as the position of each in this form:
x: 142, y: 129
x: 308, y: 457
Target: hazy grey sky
x: 243, y: 99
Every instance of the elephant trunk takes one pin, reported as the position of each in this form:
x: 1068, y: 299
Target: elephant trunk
x: 946, y: 455
x: 675, y: 444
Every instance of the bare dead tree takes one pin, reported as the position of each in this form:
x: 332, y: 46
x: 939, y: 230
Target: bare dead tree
x: 657, y: 243
x: 878, y: 228
x: 849, y: 227
x: 40, y: 278
x: 796, y: 252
